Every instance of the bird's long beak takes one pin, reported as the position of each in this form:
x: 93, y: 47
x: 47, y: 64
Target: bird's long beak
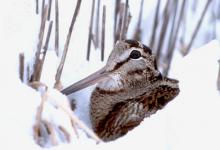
x: 100, y: 75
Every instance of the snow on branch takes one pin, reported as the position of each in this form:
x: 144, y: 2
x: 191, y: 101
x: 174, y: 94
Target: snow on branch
x: 46, y: 131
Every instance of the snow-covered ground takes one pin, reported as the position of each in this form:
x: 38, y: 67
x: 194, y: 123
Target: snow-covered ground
x: 191, y: 121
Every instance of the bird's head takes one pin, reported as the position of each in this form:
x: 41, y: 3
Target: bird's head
x: 131, y: 66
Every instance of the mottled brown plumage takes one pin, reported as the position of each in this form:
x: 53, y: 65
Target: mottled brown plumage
x: 130, y: 88
x: 135, y: 91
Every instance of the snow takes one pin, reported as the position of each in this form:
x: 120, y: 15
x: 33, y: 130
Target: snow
x: 191, y: 121
x: 196, y: 123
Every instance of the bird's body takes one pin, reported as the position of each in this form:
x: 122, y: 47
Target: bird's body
x: 134, y: 89
x: 113, y: 114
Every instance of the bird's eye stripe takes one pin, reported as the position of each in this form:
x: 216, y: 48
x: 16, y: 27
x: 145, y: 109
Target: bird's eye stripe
x: 119, y: 64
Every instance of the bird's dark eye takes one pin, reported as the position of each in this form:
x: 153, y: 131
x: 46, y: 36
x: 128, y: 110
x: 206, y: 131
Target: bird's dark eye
x: 135, y: 54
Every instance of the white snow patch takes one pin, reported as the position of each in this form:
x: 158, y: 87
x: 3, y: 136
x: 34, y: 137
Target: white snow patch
x: 191, y: 121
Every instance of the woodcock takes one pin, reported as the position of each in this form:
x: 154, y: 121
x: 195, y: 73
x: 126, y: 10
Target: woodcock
x: 129, y: 88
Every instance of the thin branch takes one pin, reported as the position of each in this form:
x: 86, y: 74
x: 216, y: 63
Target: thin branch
x: 128, y: 22
x: 218, y: 79
x: 74, y: 128
x: 218, y: 12
x: 183, y: 29
x: 49, y: 11
x: 74, y: 118
x: 119, y: 23
x: 21, y: 66
x: 124, y: 21
x: 214, y: 19
x: 37, y: 125
x: 48, y: 35
x: 163, y: 30
x: 103, y: 33
x: 44, y: 130
x: 96, y: 40
x: 51, y: 131
x: 90, y: 31
x: 137, y: 33
x: 36, y: 74
x: 60, y: 68
x: 65, y: 132
x: 186, y: 51
x: 37, y: 6
x: 172, y: 44
x: 28, y: 73
x: 155, y: 24
x: 171, y: 37
x: 176, y: 31
x: 41, y: 62
x: 42, y: 9
x: 117, y: 8
x: 140, y: 14
x: 57, y: 27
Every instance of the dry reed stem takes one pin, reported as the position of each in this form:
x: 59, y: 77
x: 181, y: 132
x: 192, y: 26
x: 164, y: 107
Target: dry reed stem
x: 218, y: 12
x: 117, y: 8
x: 173, y: 43
x: 41, y: 62
x: 42, y: 9
x: 103, y: 33
x: 51, y: 131
x: 124, y: 21
x: 218, y: 78
x: 49, y: 9
x: 37, y: 64
x: 74, y: 128
x: 171, y: 36
x: 60, y: 67
x: 196, y: 30
x: 37, y: 6
x: 39, y: 119
x: 128, y: 22
x: 28, y: 73
x: 137, y: 33
x: 166, y: 17
x: 155, y: 24
x: 21, y: 66
x: 96, y: 38
x: 214, y: 21
x: 57, y: 27
x: 48, y: 37
x: 90, y: 30
x: 172, y: 33
x: 65, y: 132
x: 120, y: 21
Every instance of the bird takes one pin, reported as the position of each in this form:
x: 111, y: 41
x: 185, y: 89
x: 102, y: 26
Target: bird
x: 129, y: 88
